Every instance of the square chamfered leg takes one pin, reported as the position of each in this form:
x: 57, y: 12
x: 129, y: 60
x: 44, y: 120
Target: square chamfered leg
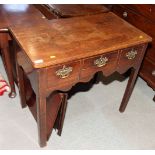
x: 129, y: 89
x: 21, y: 85
x: 131, y: 81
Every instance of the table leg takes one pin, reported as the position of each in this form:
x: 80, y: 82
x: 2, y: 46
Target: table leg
x: 129, y: 89
x: 7, y: 62
x: 131, y: 82
x: 21, y: 84
x: 41, y: 120
x: 41, y: 107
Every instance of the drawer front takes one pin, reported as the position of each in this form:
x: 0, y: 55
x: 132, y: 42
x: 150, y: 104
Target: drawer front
x: 106, y: 63
x: 147, y: 10
x: 147, y: 72
x: 135, y: 19
x: 129, y: 57
x: 61, y: 74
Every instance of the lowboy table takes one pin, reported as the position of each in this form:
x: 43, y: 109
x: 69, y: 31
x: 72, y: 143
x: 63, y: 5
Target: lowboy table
x: 63, y: 52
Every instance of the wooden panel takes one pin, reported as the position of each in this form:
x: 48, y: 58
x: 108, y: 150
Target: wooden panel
x: 45, y: 11
x: 73, y: 76
x: 90, y: 67
x: 129, y: 57
x: 146, y: 10
x: 53, y: 105
x: 73, y: 10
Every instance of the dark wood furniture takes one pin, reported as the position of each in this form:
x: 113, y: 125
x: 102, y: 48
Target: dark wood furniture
x: 70, y: 10
x: 74, y: 50
x: 143, y: 17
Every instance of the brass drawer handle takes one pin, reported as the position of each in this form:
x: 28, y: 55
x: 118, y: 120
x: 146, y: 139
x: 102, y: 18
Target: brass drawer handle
x: 153, y: 73
x: 125, y: 14
x: 132, y: 54
x: 101, y: 61
x: 64, y: 72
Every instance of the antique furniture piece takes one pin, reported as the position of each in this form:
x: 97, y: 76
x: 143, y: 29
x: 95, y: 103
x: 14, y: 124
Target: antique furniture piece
x: 143, y: 17
x: 64, y: 52
x: 70, y: 10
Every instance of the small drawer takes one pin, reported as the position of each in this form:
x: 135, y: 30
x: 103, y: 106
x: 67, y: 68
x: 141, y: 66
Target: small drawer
x: 61, y: 74
x: 129, y: 57
x: 106, y: 63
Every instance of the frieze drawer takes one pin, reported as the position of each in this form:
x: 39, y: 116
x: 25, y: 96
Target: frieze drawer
x: 60, y: 74
x: 105, y: 63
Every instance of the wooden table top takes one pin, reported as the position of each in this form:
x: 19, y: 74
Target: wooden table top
x: 62, y: 40
x: 12, y: 14
x: 72, y: 10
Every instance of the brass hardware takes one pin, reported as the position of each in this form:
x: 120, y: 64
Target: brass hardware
x: 64, y: 72
x: 101, y: 61
x: 132, y: 54
x: 153, y: 73
x: 125, y: 14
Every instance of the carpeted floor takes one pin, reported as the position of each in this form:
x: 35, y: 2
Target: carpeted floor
x: 92, y: 120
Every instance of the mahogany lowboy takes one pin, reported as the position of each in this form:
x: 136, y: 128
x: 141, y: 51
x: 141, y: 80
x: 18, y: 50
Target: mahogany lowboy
x: 63, y: 52
x: 58, y: 54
